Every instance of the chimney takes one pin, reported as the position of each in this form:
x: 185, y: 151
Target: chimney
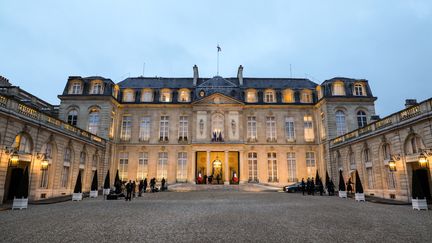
x: 410, y: 102
x: 240, y: 74
x: 195, y: 75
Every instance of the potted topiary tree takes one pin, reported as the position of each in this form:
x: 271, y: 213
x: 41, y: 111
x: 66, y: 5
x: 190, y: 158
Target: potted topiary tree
x: 106, y: 188
x: 77, y: 194
x: 418, y: 196
x: 359, y: 195
x: 117, y: 183
x: 342, y: 190
x: 94, y: 186
x: 21, y: 199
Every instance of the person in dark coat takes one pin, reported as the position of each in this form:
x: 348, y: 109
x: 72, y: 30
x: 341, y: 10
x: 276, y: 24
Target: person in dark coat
x: 321, y: 189
x: 145, y: 185
x: 129, y: 191
x: 140, y: 187
x: 303, y: 186
x: 349, y: 186
x: 163, y: 184
x: 205, y: 179
x: 152, y: 184
x: 218, y: 178
x: 330, y: 188
x: 133, y: 188
x: 312, y: 185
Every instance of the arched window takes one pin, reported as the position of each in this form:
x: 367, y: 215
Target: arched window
x: 147, y: 95
x: 93, y: 123
x: 95, y: 160
x: 251, y: 96
x: 306, y: 96
x: 361, y: 119
x: 340, y: 123
x: 288, y: 96
x: 165, y: 95
x: 48, y: 150
x: 269, y: 96
x: 359, y: 90
x: 96, y: 87
x: 338, y: 88
x: 366, y: 155
x: 128, y: 95
x: 23, y: 143
x: 72, y: 117
x: 339, y: 161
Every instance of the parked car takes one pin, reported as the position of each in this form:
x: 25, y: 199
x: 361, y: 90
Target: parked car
x: 296, y: 187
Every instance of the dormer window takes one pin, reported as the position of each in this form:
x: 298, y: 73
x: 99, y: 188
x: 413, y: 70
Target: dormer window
x: 306, y: 96
x: 359, y: 90
x: 184, y: 95
x: 269, y: 96
x: 288, y: 96
x: 251, y: 96
x: 319, y: 92
x: 115, y: 91
x: 147, y: 95
x: 96, y: 87
x: 338, y: 88
x: 128, y: 95
x: 165, y: 95
x: 75, y: 87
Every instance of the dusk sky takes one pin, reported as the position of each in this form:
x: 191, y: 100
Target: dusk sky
x: 388, y: 43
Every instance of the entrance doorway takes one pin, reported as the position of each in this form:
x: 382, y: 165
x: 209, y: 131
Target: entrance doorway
x: 217, y: 167
x: 423, y: 176
x: 14, y: 176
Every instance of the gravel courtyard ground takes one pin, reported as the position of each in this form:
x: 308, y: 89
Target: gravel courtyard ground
x: 206, y: 216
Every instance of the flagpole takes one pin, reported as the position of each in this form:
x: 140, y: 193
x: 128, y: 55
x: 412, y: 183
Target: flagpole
x: 217, y: 71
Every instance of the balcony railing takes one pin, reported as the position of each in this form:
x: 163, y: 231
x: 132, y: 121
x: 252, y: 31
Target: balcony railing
x: 401, y: 116
x: 19, y: 108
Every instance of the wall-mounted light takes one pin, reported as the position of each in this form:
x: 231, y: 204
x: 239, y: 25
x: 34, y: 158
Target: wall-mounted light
x: 423, y: 158
x: 392, y: 162
x: 13, y: 156
x: 44, y: 160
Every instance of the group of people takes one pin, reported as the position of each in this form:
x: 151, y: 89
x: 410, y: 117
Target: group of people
x: 311, y: 186
x: 130, y: 187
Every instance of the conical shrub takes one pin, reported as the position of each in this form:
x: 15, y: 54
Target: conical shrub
x: 341, y: 182
x: 78, y: 184
x: 94, y: 185
x: 359, y: 186
x: 107, y: 181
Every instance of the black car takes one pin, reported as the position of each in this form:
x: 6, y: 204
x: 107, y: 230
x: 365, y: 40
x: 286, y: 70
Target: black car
x: 296, y: 187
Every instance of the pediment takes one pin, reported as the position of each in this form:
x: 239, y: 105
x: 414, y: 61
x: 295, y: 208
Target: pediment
x: 217, y: 99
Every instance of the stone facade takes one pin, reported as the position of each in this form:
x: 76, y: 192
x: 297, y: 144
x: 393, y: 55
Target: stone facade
x: 401, y: 137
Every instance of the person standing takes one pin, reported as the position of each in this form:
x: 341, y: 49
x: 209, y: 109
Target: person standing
x: 312, y: 186
x: 129, y: 191
x: 163, y: 184
x: 303, y: 186
x: 349, y: 186
x: 145, y: 185
x: 308, y: 186
x: 133, y: 189
x: 140, y: 187
x: 152, y: 184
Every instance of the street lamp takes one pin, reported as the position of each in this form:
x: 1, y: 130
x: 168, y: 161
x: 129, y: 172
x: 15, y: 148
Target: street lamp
x: 14, y: 158
x: 423, y: 161
x: 392, y: 164
x: 44, y: 160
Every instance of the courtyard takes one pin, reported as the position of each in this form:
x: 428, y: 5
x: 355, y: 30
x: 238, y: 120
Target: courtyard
x: 217, y: 215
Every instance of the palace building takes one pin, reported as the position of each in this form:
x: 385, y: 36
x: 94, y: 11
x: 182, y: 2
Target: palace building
x: 258, y: 130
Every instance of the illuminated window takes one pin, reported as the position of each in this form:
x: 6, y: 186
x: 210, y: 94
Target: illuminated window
x: 144, y: 132
x: 184, y: 95
x: 338, y: 88
x: 251, y: 96
x: 288, y: 96
x: 165, y: 95
x: 271, y: 128
x: 162, y: 166
x: 310, y: 164
x: 123, y: 165
x: 289, y: 129
x: 142, y: 171
x: 308, y: 129
x: 253, y: 167
x: 164, y: 128
x: 182, y: 166
x: 251, y: 128
x: 115, y: 91
x: 319, y: 92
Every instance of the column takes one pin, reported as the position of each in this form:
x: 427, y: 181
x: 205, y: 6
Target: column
x: 192, y: 173
x: 242, y: 171
x: 226, y: 169
x: 208, y: 164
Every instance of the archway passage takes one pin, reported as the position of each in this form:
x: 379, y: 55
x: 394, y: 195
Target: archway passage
x: 423, y: 176
x: 15, y: 175
x: 217, y: 167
